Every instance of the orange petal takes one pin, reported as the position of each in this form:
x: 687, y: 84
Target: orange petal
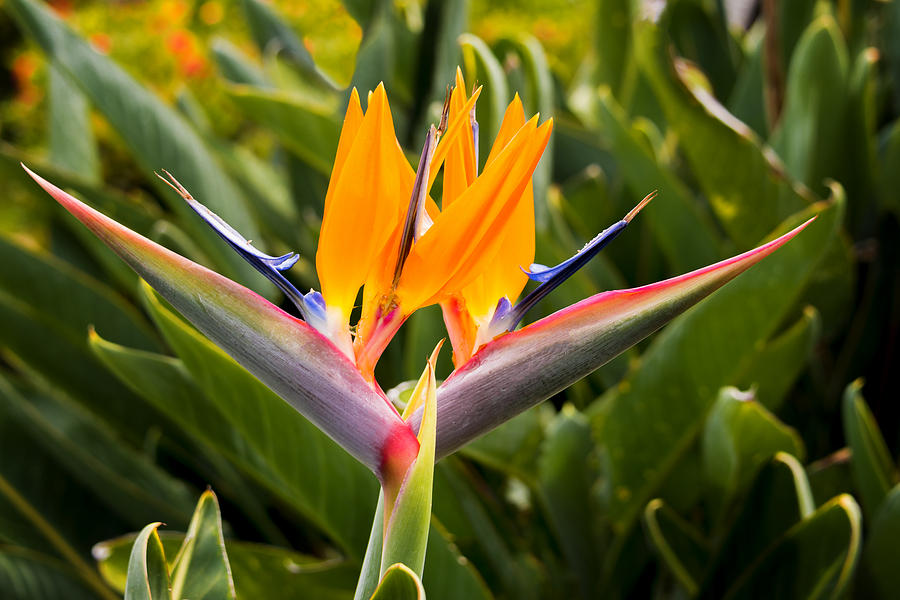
x: 369, y: 195
x: 352, y: 121
x: 464, y: 240
x: 513, y: 119
x: 503, y: 276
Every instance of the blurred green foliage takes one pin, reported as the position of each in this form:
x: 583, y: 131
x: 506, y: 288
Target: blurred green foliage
x: 732, y: 455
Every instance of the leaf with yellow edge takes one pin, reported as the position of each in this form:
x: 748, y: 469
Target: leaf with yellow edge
x: 399, y: 583
x: 408, y: 509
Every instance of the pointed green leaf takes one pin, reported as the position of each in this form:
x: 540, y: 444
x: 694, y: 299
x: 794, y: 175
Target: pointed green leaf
x: 148, y: 572
x: 399, y: 583
x: 740, y: 435
x: 201, y: 570
x: 872, y: 467
x: 809, y: 137
x: 259, y: 571
x: 829, y: 542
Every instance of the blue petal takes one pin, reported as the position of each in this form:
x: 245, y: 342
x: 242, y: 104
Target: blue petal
x: 551, y: 277
x: 269, y: 266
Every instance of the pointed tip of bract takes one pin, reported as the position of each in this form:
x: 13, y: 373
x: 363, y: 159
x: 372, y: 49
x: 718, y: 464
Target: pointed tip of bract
x: 432, y: 360
x: 640, y: 206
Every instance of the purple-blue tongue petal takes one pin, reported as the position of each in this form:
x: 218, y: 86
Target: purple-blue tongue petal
x: 269, y: 266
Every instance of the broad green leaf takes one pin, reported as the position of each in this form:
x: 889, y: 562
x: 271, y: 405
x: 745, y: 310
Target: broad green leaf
x: 26, y: 575
x: 164, y: 383
x: 514, y: 446
x: 72, y: 144
x: 201, y: 570
x: 389, y: 54
x: 779, y: 499
x: 647, y: 424
x: 148, y: 572
x: 483, y: 67
x: 449, y: 575
x: 829, y: 542
x: 699, y: 33
x: 878, y: 575
x: 856, y: 168
x: 236, y: 66
x: 70, y: 298
x: 539, y: 98
x: 328, y: 486
x: 482, y: 534
x: 679, y: 545
x: 42, y: 507
x: 871, y: 464
x: 452, y: 21
x: 749, y: 200
x: 308, y: 129
x: 809, y: 134
x: 259, y: 571
x: 272, y: 34
x: 129, y: 484
x: 686, y: 236
x: 739, y: 436
x: 67, y: 364
x: 612, y: 44
x: 747, y: 99
x: 399, y: 583
x: 157, y: 136
x: 773, y: 370
x: 566, y: 475
x: 408, y: 496
x: 523, y: 368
